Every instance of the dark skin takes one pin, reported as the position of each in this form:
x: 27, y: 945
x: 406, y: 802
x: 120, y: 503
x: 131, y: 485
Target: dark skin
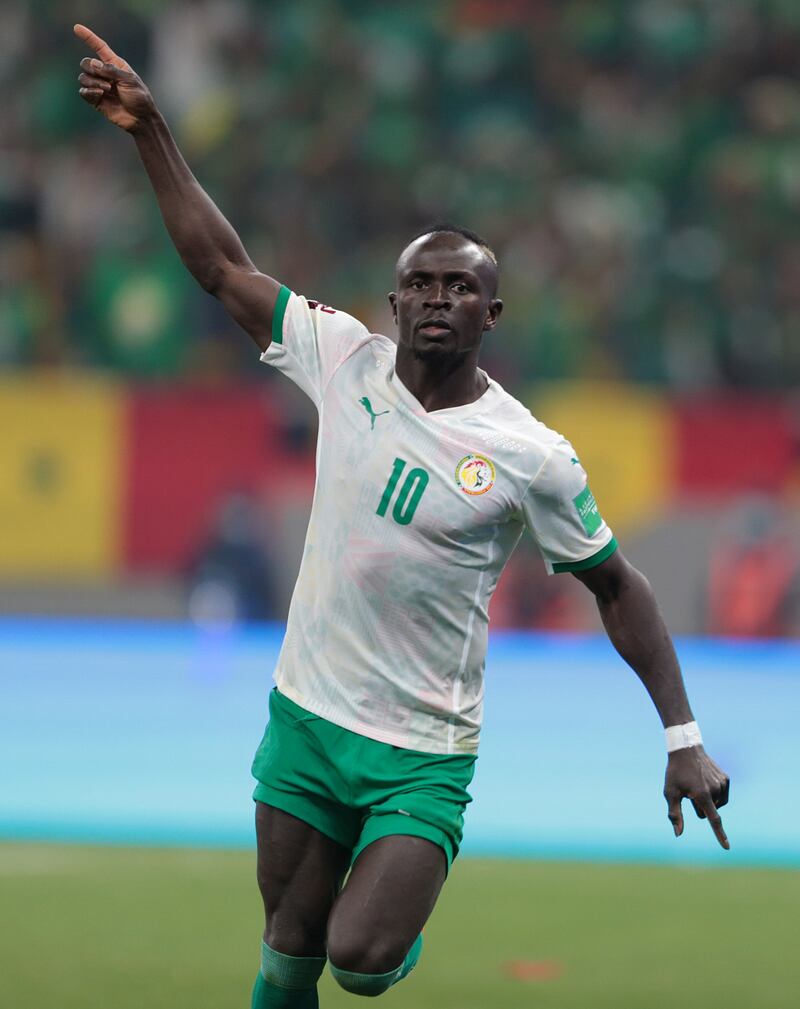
x: 445, y: 301
x: 369, y: 924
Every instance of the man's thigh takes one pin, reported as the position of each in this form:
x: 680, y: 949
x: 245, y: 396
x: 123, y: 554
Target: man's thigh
x: 300, y: 871
x: 388, y: 897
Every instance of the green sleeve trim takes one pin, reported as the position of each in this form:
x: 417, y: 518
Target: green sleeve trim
x: 590, y: 562
x: 278, y: 314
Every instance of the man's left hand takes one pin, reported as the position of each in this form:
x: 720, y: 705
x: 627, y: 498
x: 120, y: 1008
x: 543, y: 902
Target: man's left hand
x: 692, y: 774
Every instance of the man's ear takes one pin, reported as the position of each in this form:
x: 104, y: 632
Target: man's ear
x: 393, y: 303
x: 493, y: 313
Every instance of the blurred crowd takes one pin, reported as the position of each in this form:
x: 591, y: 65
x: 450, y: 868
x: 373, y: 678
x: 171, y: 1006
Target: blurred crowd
x: 636, y: 165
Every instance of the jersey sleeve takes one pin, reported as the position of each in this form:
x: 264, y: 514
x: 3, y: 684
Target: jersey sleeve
x: 560, y: 511
x: 310, y: 341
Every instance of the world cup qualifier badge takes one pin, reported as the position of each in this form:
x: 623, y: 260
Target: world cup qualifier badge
x: 475, y: 474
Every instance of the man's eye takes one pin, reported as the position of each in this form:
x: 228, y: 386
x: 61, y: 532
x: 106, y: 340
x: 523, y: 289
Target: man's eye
x: 417, y: 285
x: 460, y: 288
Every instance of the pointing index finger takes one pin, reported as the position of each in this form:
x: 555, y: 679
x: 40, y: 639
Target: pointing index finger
x: 103, y: 49
x: 715, y: 821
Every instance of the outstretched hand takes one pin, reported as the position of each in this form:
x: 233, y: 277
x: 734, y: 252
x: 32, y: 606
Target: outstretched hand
x: 110, y: 85
x: 692, y: 774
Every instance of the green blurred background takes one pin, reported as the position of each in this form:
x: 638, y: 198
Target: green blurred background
x: 636, y: 165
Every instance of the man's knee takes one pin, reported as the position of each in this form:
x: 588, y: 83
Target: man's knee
x: 366, y: 965
x: 365, y: 955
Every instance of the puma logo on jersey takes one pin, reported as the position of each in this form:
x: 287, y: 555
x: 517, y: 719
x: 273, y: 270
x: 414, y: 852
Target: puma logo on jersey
x: 372, y: 415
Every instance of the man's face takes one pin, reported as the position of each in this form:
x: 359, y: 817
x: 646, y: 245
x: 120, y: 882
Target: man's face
x: 445, y: 296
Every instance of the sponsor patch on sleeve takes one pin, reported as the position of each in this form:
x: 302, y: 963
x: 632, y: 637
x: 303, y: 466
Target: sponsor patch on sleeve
x: 586, y: 506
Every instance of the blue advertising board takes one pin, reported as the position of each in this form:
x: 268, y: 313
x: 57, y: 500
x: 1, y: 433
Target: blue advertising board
x: 143, y: 734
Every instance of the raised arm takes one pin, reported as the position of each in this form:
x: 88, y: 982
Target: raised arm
x: 636, y: 628
x: 208, y: 245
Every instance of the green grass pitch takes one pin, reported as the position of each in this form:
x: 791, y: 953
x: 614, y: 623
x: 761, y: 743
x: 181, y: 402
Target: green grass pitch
x: 85, y: 928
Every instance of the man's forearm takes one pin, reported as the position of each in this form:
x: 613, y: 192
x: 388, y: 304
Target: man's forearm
x: 637, y: 631
x: 205, y: 240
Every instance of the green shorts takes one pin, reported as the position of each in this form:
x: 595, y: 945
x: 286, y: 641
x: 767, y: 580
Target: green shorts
x: 354, y: 789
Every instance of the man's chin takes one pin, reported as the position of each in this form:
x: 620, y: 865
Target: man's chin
x: 432, y: 352
x: 426, y: 349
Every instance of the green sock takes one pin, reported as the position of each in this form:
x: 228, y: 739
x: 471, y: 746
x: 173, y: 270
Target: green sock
x: 287, y: 982
x: 269, y: 996
x: 410, y: 961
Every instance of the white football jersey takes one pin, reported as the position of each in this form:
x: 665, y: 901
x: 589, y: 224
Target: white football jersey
x: 414, y: 517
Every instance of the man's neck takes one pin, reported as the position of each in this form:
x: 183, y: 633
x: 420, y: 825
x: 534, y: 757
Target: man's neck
x: 441, y: 383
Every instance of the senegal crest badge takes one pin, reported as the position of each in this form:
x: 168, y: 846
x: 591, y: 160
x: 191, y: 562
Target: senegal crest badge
x: 475, y: 474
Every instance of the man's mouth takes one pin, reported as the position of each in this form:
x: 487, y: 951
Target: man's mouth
x: 435, y: 327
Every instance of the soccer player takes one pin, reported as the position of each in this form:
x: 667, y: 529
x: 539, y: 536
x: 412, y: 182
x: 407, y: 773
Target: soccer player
x: 427, y: 474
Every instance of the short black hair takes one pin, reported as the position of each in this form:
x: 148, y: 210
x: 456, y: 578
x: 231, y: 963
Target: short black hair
x: 447, y: 227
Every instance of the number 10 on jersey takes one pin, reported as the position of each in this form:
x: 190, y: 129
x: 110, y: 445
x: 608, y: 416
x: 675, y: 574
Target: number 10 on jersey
x: 408, y: 497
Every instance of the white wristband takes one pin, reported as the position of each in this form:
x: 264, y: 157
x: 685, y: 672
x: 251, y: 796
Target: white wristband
x: 681, y: 736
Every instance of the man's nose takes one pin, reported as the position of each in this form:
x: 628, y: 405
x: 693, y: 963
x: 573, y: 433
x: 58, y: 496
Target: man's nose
x: 438, y: 296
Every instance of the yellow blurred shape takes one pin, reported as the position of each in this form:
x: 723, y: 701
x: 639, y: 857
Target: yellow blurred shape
x: 624, y: 438
x: 60, y: 476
